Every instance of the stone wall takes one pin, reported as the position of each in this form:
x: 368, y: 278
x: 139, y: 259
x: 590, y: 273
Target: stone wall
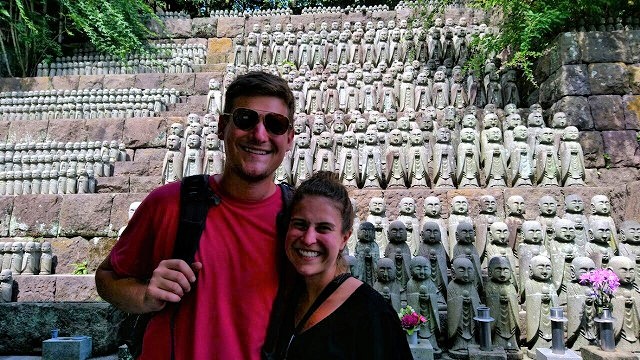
x: 594, y: 77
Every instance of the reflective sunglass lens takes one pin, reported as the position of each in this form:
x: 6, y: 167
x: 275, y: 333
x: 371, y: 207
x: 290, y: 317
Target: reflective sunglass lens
x: 276, y: 123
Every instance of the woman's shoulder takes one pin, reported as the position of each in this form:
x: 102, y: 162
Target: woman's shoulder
x: 371, y: 301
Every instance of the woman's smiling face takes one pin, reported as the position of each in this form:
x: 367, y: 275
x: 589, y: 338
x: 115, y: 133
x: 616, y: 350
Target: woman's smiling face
x: 315, y: 239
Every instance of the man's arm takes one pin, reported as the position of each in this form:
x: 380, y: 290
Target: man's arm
x: 169, y: 282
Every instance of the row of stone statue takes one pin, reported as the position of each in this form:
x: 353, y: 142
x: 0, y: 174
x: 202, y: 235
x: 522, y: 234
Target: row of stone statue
x: 96, y: 159
x: 165, y: 15
x: 113, y: 149
x: 609, y: 23
x: 442, y: 43
x: 247, y: 13
x: 349, y: 87
x: 164, y: 57
x: 108, y: 103
x: 28, y: 258
x: 410, y: 157
x: 544, y: 280
x: 463, y: 300
x: 574, y: 212
x: 346, y: 10
x: 69, y: 181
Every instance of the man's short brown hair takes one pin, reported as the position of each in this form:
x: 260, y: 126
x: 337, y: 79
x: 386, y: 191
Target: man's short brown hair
x: 259, y: 83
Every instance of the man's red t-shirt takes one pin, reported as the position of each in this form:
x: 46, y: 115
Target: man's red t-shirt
x: 226, y: 314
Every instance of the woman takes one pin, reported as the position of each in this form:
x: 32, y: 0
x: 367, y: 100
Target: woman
x: 331, y: 315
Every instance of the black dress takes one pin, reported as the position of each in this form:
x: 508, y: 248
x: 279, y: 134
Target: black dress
x: 363, y: 327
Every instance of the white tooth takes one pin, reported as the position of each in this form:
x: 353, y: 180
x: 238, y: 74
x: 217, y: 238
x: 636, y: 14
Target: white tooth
x: 308, y: 253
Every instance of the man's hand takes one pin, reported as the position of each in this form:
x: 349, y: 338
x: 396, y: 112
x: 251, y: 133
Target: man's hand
x: 169, y: 282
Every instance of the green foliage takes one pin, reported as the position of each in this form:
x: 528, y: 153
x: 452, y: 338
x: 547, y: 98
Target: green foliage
x: 115, y: 27
x: 32, y: 30
x: 607, y: 160
x: 26, y: 36
x: 80, y: 268
x: 526, y: 27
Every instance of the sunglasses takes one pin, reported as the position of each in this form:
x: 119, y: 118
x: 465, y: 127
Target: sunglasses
x: 247, y: 119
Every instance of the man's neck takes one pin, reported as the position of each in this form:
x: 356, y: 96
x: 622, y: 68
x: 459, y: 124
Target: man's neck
x: 246, y: 190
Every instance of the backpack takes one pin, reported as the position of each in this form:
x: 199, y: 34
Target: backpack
x: 196, y: 197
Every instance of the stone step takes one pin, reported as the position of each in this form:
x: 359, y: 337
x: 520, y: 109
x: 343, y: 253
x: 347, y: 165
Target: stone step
x: 55, y: 288
x: 187, y: 83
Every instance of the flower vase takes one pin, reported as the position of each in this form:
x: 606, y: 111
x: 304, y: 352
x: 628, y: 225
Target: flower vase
x: 605, y: 325
x: 412, y: 338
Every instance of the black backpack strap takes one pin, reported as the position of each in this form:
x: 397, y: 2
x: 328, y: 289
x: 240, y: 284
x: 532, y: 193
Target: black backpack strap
x: 195, y: 198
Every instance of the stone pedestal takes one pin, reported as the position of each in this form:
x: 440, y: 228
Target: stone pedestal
x: 422, y: 351
x: 475, y: 353
x: 595, y: 353
x: 546, y: 354
x: 67, y: 348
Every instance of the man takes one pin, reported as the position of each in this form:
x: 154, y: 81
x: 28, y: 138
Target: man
x: 225, y: 297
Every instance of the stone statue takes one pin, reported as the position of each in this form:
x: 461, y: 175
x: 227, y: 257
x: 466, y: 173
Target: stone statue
x: 193, y: 157
x: 213, y: 161
x: 626, y: 305
x: 494, y: 159
x: 462, y: 303
x: 421, y: 282
x: 302, y: 160
x: 530, y: 245
x: 173, y: 160
x: 571, y: 158
x: 601, y: 210
x: 486, y: 217
x: 29, y: 258
x: 465, y: 246
x: 370, y: 158
x: 214, y: 97
x: 398, y: 251
x: 558, y: 124
x: 386, y: 279
x: 433, y: 250
x: 574, y: 211
x: 324, y: 159
x: 6, y: 286
x: 378, y: 217
x: 17, y: 249
x: 432, y: 213
x: 367, y: 254
x: 48, y: 261
x: 502, y: 300
x: 521, y: 165
x: 348, y: 167
x: 443, y: 165
x: 417, y: 160
x: 581, y: 311
x: 440, y: 90
x: 459, y: 213
x: 547, y: 165
x: 540, y: 294
x: 132, y: 209
x: 599, y: 248
x: 548, y: 207
x: 563, y: 250
x: 6, y: 258
x: 407, y: 215
x: 630, y: 243
x: 498, y: 246
x: 468, y: 162
x: 396, y: 173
